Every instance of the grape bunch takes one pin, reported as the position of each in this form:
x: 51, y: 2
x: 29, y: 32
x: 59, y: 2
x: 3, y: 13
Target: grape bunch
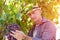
x: 11, y: 27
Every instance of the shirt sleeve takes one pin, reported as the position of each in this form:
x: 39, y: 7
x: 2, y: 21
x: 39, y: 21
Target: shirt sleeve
x: 49, y: 33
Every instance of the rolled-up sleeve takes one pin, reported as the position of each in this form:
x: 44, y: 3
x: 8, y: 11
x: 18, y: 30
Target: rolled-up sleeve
x: 49, y: 33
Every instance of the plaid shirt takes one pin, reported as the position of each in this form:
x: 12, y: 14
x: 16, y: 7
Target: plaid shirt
x: 44, y: 31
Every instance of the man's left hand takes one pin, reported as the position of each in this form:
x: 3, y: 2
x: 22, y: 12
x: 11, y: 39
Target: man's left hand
x: 19, y: 35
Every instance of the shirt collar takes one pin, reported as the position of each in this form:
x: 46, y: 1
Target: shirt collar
x: 43, y: 20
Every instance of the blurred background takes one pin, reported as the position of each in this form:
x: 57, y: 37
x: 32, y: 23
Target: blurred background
x: 14, y: 11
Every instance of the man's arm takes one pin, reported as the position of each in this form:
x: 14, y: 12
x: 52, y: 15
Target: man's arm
x: 27, y: 38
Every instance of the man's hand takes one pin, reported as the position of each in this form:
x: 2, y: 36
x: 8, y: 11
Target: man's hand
x: 19, y: 35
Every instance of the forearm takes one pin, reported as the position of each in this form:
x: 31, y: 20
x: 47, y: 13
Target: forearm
x: 27, y: 38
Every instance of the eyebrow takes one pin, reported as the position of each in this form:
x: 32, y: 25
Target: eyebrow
x: 35, y: 7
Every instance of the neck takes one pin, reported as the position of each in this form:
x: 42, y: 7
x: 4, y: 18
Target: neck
x: 39, y: 22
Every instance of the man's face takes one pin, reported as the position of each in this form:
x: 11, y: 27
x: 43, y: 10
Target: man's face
x: 35, y: 15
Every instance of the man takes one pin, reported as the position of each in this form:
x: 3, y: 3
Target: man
x: 42, y: 29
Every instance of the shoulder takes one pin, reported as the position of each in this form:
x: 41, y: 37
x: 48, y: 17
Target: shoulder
x: 50, y: 25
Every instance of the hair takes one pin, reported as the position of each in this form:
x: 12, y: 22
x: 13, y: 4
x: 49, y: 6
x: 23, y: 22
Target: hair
x: 35, y: 7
